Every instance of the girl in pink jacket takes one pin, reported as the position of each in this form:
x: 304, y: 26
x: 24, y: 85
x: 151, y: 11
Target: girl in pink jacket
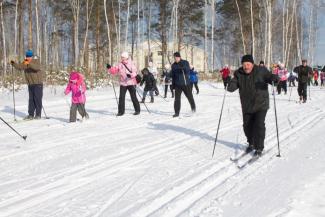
x: 127, y: 72
x: 77, y: 86
x: 282, y: 72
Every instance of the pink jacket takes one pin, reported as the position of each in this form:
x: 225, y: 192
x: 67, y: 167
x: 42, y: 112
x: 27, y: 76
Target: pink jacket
x: 78, y: 88
x: 282, y: 73
x: 122, y: 71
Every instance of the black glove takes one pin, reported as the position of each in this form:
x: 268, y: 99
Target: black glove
x: 128, y: 75
x: 12, y: 62
x: 108, y: 66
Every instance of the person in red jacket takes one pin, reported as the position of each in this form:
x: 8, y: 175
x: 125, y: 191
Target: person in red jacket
x: 315, y: 77
x: 225, y: 73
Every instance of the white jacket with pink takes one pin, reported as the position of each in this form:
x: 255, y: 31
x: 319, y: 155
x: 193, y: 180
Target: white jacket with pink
x: 123, y: 72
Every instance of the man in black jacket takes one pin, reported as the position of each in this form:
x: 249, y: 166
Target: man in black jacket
x: 180, y: 79
x: 303, y: 71
x: 252, y: 82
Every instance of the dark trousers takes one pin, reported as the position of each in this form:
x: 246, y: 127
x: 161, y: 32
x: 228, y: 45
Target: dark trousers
x: 145, y: 92
x: 121, y: 103
x: 171, y: 89
x: 282, y: 85
x: 302, y: 90
x: 73, y: 111
x: 35, y: 99
x: 316, y: 82
x: 292, y: 83
x: 188, y: 93
x: 322, y: 82
x: 254, y: 128
x: 196, y: 87
x: 226, y: 81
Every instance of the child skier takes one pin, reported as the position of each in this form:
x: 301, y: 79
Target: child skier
x: 149, y: 79
x: 77, y: 86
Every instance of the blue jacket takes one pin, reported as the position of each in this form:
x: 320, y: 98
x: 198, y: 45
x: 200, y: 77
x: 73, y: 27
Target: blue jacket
x: 193, y: 76
x: 180, y: 73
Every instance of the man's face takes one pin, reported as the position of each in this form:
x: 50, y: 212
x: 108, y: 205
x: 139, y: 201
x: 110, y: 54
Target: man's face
x: 261, y: 64
x: 177, y: 59
x: 304, y: 63
x: 248, y: 67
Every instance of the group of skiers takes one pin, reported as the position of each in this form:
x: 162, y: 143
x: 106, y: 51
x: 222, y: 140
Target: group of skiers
x: 252, y: 81
x: 180, y: 77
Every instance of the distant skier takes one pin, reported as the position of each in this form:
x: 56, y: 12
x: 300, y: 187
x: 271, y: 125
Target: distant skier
x: 292, y: 79
x: 34, y: 78
x: 282, y: 72
x: 77, y: 86
x: 180, y: 76
x: 128, y: 73
x: 153, y: 70
x: 194, y: 79
x: 225, y: 74
x: 322, y: 77
x: 303, y: 72
x: 316, y: 77
x: 149, y: 81
x: 262, y: 64
x: 167, y: 80
x: 252, y: 82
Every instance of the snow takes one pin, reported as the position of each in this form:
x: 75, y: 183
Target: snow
x: 156, y: 165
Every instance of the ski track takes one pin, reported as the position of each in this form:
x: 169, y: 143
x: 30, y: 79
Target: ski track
x: 189, y: 193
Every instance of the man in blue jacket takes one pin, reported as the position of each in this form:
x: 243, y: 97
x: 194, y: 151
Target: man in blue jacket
x: 180, y: 76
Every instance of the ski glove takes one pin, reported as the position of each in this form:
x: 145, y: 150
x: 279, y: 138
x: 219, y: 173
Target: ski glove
x: 128, y: 75
x: 108, y: 66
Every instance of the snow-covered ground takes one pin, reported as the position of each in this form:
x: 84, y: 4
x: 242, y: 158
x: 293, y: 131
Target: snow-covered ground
x: 154, y: 165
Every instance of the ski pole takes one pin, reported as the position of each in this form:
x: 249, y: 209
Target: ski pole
x: 13, y: 91
x: 114, y: 89
x: 290, y: 94
x: 309, y: 93
x: 46, y: 117
x: 223, y: 102
x: 143, y: 102
x: 23, y: 137
x: 276, y: 122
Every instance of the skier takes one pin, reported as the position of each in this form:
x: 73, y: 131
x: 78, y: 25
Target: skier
x: 315, y: 76
x: 149, y: 79
x: 128, y: 73
x: 34, y: 79
x: 225, y: 73
x: 194, y: 79
x: 167, y: 80
x: 153, y: 70
x: 262, y: 64
x: 292, y: 79
x: 322, y: 77
x: 252, y: 80
x: 180, y: 75
x: 77, y: 86
x: 303, y: 72
x: 282, y: 72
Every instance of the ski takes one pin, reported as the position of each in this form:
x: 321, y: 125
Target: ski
x: 249, y: 162
x: 238, y: 157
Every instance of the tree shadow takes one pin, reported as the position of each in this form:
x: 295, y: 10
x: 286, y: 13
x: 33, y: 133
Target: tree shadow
x: 191, y: 132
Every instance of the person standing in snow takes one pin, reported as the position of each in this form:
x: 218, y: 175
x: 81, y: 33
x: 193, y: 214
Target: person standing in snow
x: 303, y: 71
x: 194, y: 79
x: 34, y: 79
x: 153, y: 70
x: 225, y: 73
x: 149, y: 81
x: 315, y: 76
x: 252, y: 82
x: 322, y: 77
x: 127, y: 71
x: 262, y: 64
x: 292, y: 79
x: 180, y: 76
x: 77, y: 86
x: 282, y: 73
x: 167, y: 80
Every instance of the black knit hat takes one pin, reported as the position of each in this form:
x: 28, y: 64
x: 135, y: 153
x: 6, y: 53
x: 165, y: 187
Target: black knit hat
x: 261, y: 62
x: 177, y: 54
x: 247, y: 58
